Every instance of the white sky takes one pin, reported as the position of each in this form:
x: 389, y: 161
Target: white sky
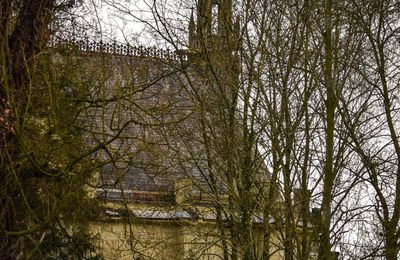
x: 134, y: 21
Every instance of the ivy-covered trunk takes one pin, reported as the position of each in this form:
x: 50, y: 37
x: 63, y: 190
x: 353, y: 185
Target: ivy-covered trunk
x: 24, y: 32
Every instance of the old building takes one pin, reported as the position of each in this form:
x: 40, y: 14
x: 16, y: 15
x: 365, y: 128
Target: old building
x: 171, y: 152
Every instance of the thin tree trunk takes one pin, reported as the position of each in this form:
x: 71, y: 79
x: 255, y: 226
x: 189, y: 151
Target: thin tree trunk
x: 325, y: 245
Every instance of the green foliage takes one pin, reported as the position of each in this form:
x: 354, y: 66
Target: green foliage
x: 59, y: 245
x: 53, y: 178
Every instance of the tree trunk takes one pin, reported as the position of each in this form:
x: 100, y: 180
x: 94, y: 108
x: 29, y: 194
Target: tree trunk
x: 329, y: 176
x: 21, y: 38
x: 391, y: 245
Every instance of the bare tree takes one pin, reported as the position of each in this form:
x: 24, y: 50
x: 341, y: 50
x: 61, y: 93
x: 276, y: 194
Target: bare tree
x: 373, y: 120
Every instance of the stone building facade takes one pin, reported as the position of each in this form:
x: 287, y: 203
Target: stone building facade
x: 160, y: 118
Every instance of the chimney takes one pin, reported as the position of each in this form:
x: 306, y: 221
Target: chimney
x: 183, y: 190
x: 302, y: 200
